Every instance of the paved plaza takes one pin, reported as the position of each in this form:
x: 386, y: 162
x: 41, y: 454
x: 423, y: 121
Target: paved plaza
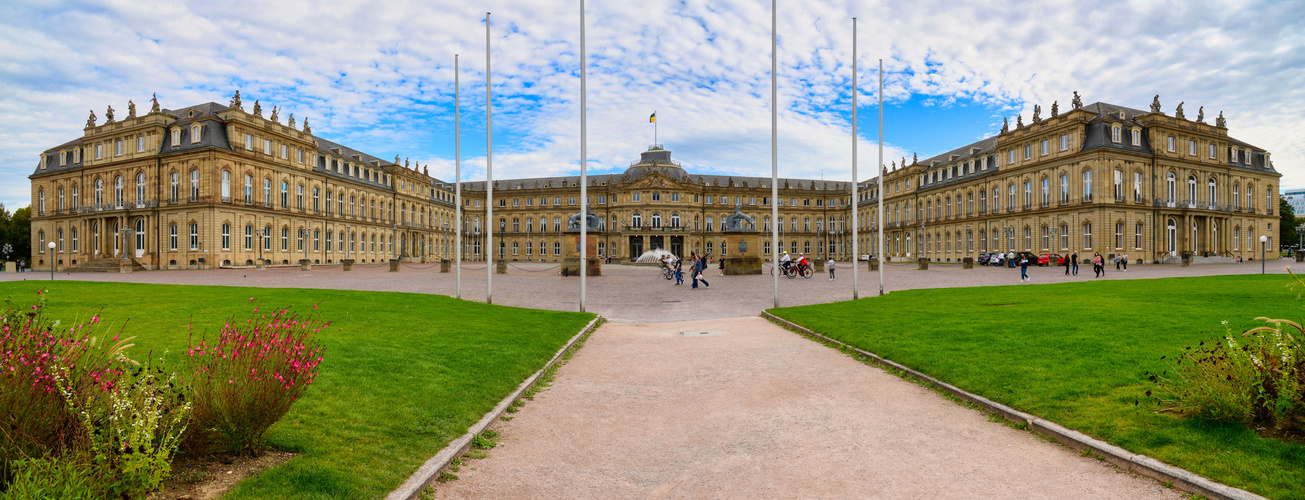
x: 634, y: 293
x: 756, y: 411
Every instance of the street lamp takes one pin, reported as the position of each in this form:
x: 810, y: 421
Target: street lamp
x: 1264, y: 241
x: 51, y: 245
x: 1300, y: 231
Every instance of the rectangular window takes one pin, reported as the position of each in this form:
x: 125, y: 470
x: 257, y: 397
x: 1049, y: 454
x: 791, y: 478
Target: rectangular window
x: 117, y: 147
x: 77, y: 155
x: 226, y: 236
x: 99, y: 151
x: 602, y: 200
x: 571, y: 201
x: 1191, y: 147
x: 194, y: 236
x: 249, y: 142
x: 140, y: 144
x: 1212, y: 152
x: 635, y: 197
x: 172, y: 236
x: 1010, y: 157
x: 1087, y: 185
x: 1064, y: 142
x: 1172, y: 144
x: 1028, y: 152
x: 1045, y: 148
x: 675, y: 196
x: 267, y: 146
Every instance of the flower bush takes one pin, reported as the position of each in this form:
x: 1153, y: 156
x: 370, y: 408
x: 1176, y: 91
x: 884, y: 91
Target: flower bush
x: 247, y: 378
x: 34, y: 352
x: 1257, y: 377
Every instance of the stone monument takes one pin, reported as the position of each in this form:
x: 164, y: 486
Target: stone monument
x: 743, y: 243
x: 571, y: 254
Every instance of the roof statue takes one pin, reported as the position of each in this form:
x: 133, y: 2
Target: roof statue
x: 1178, y: 113
x: 739, y: 221
x: 1005, y: 125
x: 406, y: 163
x: 425, y: 171
x: 1019, y: 121
x: 1055, y: 108
x: 1200, y: 115
x: 396, y: 159
x: 915, y: 158
x: 1077, y: 102
x: 292, y: 120
x: 307, y: 129
x: 894, y: 166
x: 131, y: 109
x: 1219, y: 121
x: 591, y: 221
x: 1155, y: 104
x: 154, y: 108
x: 90, y: 122
x: 108, y: 115
x: 274, y: 110
x: 1037, y: 112
x: 258, y: 109
x: 235, y: 101
x: 903, y: 162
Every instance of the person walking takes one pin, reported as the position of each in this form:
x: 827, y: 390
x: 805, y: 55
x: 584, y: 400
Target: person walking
x: 21, y: 265
x: 1074, y: 261
x: 1024, y: 268
x: 1098, y: 264
x: 1117, y: 259
x: 722, y: 265
x: 1067, y: 263
x: 830, y: 265
x: 679, y: 274
x: 699, y: 266
x: 1124, y: 259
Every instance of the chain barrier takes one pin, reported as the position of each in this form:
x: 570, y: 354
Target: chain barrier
x: 410, y: 266
x: 550, y: 268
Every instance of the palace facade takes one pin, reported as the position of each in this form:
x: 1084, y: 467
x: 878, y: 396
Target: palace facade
x: 213, y: 185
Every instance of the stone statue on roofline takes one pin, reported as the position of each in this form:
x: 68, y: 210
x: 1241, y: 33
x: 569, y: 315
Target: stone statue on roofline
x: 235, y: 101
x: 1005, y: 125
x: 407, y: 163
x: 1220, y: 121
x: 108, y: 115
x: 258, y: 110
x: 396, y: 160
x: 903, y: 162
x: 1200, y: 115
x: 1055, y: 108
x: 1155, y: 104
x: 292, y: 120
x: 131, y: 109
x: 154, y: 108
x: 1019, y: 121
x: 915, y: 158
x: 425, y: 171
x: 1037, y: 113
x: 1077, y: 102
x: 274, y: 110
x: 307, y: 129
x: 90, y: 122
x: 1178, y: 113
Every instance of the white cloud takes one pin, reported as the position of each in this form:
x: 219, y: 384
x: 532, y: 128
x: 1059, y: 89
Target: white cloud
x: 379, y: 77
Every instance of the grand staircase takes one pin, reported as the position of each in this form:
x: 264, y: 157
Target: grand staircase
x: 103, y: 265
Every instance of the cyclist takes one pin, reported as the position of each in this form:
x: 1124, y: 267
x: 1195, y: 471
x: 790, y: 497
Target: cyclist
x: 802, y: 261
x: 785, y: 261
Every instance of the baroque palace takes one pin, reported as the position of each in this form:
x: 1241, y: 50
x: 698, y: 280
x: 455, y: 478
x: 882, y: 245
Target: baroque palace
x: 213, y: 185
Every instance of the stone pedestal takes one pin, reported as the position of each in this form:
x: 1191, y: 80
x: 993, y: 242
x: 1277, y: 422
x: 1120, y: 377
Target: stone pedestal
x: 968, y: 263
x: 922, y: 264
x: 874, y: 264
x: 423, y: 259
x: 259, y: 264
x: 1300, y: 256
x: 305, y: 265
x: 1186, y: 259
x: 124, y: 266
x: 571, y: 256
x: 818, y: 265
x: 394, y: 265
x: 500, y: 267
x: 744, y: 253
x: 445, y: 265
x: 11, y: 267
x: 348, y: 264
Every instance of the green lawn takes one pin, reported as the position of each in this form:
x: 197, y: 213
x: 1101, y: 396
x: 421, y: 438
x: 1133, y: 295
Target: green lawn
x: 1076, y: 353
x: 404, y: 374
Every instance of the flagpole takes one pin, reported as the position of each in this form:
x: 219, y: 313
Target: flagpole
x: 457, y: 174
x: 584, y: 177
x: 774, y: 151
x: 856, y: 290
x: 489, y: 178
x: 881, y: 177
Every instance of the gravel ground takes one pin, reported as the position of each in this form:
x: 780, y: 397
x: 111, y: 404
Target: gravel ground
x: 759, y: 412
x: 627, y: 293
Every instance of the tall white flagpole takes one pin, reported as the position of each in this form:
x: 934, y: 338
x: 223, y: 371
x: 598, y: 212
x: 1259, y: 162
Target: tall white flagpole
x: 774, y: 150
x: 584, y: 177
x: 489, y: 178
x: 856, y: 253
x: 457, y: 174
x: 882, y: 172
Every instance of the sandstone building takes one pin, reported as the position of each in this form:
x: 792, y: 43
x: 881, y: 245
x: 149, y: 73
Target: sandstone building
x: 213, y: 185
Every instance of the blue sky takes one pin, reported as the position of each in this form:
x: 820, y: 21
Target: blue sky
x: 379, y: 77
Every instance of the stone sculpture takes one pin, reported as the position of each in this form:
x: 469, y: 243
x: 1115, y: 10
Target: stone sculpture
x: 108, y: 115
x: 1037, y: 113
x: 131, y: 109
x: 1078, y: 103
x: 739, y: 221
x: 154, y: 108
x: 1178, y: 113
x: 573, y: 222
x: 90, y: 122
x: 235, y: 101
x: 1155, y: 104
x: 1055, y: 108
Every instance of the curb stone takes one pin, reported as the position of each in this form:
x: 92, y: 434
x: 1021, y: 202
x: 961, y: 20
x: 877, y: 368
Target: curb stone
x: 1181, y: 479
x: 429, y: 471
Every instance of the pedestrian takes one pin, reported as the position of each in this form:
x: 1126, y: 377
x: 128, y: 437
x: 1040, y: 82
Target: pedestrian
x: 21, y: 265
x: 1117, y: 259
x: 679, y: 274
x: 1124, y: 259
x: 1074, y: 260
x: 831, y: 268
x: 1098, y: 264
x: 1067, y: 263
x: 1024, y: 268
x: 699, y: 268
x: 722, y: 266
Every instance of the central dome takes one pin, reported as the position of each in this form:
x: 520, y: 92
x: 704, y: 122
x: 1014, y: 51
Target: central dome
x: 655, y: 159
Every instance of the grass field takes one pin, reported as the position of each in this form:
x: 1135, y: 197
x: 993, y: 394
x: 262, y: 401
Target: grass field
x: 1076, y: 354
x: 404, y: 374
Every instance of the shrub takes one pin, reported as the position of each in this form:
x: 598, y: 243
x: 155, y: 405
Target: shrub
x: 34, y: 421
x: 248, y: 377
x: 44, y: 478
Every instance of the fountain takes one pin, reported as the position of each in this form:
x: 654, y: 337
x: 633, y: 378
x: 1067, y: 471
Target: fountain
x: 653, y: 256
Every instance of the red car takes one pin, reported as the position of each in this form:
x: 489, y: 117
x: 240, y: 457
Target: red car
x: 1047, y: 258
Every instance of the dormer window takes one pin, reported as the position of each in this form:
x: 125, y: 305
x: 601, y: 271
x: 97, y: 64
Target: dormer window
x: 77, y: 155
x: 63, y: 158
x: 176, y: 137
x: 1122, y: 116
x: 1114, y: 133
x: 1232, y: 155
x: 43, y: 158
x: 195, y: 134
x: 1137, y: 137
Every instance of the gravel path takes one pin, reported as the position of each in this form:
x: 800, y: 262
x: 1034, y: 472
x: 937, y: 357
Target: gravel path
x: 759, y: 412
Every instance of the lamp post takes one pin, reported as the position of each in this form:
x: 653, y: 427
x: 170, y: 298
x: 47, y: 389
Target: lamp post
x: 1264, y: 241
x: 51, y: 245
x: 1300, y: 231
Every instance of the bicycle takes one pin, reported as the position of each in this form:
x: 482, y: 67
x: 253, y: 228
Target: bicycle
x: 799, y: 270
x: 668, y: 273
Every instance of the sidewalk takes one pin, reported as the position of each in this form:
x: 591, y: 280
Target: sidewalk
x: 760, y: 412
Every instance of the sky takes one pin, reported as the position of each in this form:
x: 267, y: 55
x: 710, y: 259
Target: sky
x: 380, y: 76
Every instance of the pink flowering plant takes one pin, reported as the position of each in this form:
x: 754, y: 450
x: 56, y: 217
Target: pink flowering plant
x: 36, y: 357
x: 246, y: 378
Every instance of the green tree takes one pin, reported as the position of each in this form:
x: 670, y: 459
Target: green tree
x: 1287, y: 223
x: 19, y: 233
x: 5, y: 220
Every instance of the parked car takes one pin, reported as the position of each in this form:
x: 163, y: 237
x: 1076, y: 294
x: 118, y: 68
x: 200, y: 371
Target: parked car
x: 1015, y: 256
x: 1053, y: 259
x: 995, y: 259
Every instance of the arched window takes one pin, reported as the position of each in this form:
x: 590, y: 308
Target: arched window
x: 1236, y: 197
x: 1046, y: 191
x: 226, y: 185
x: 1214, y: 194
x: 99, y: 191
x: 140, y: 186
x: 657, y: 220
x: 1191, y: 189
x: 636, y: 220
x: 1087, y: 235
x: 140, y: 234
x: 249, y: 189
x: 1268, y: 199
x: 194, y: 185
x: 675, y: 221
x: 117, y: 189
x: 76, y: 198
x: 267, y: 194
x: 285, y: 194
x: 1171, y: 227
x: 1250, y: 202
x: 40, y: 207
x: 1171, y: 188
x: 60, y: 198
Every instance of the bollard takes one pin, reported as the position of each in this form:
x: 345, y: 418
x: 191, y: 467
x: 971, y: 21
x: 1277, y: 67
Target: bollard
x: 445, y: 265
x: 502, y: 267
x: 258, y: 264
x: 394, y: 265
x: 922, y: 264
x: 1300, y: 256
x: 124, y: 266
x: 874, y: 264
x: 305, y: 265
x: 348, y: 264
x: 968, y: 263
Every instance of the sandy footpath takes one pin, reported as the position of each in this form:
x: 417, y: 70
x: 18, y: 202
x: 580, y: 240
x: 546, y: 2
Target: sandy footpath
x: 758, y: 412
